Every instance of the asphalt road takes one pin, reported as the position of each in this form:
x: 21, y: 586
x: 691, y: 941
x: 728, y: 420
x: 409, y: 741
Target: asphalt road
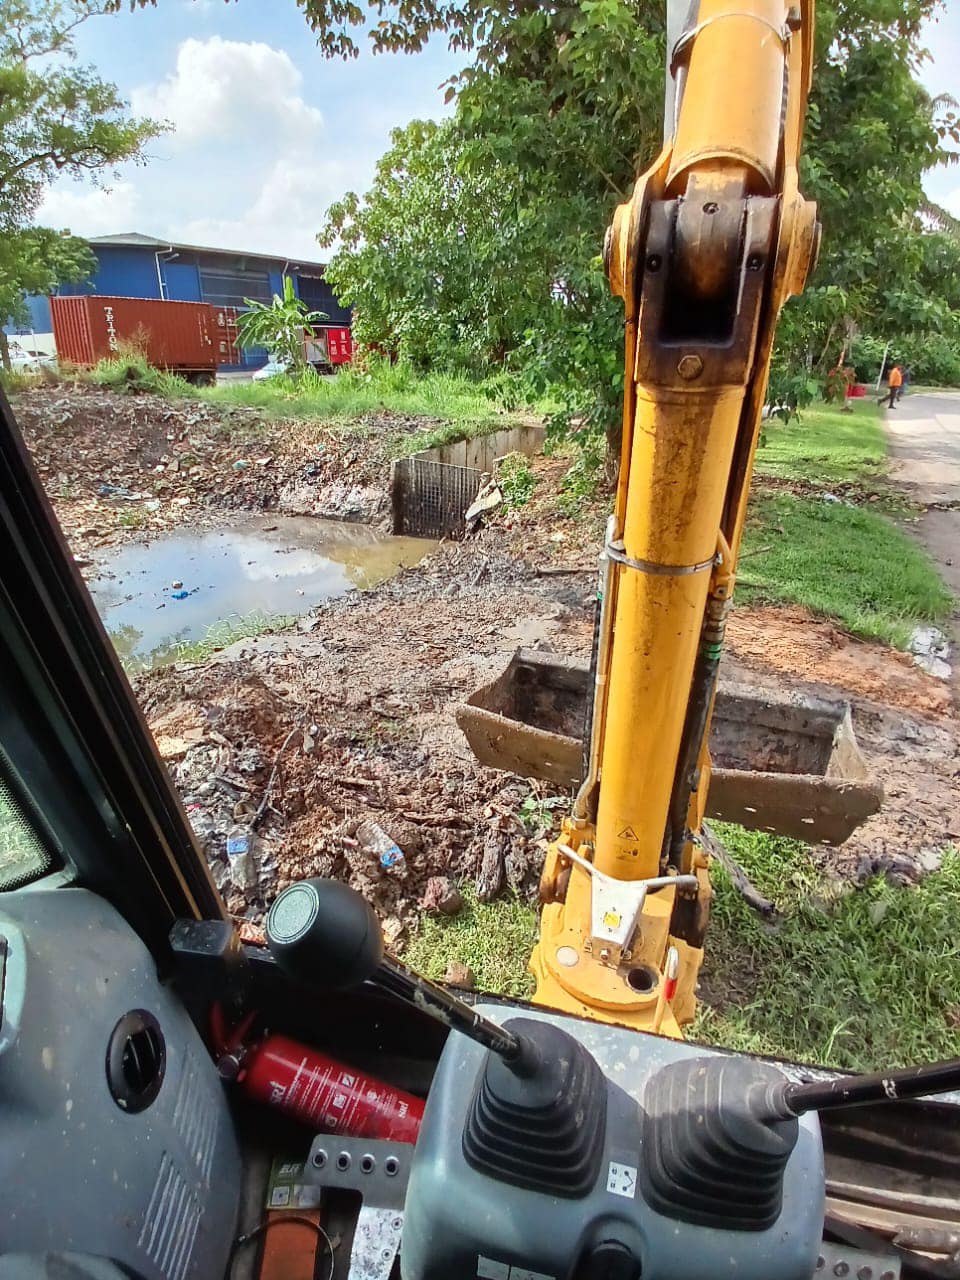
x: 924, y: 433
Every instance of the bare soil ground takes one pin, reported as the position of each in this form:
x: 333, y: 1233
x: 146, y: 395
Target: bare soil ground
x: 300, y: 735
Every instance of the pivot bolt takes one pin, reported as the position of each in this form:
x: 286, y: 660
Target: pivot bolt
x: 865, y: 1273
x: 690, y: 367
x: 842, y: 1269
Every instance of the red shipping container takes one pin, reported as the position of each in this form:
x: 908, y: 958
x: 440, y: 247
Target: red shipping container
x: 340, y: 346
x: 181, y: 336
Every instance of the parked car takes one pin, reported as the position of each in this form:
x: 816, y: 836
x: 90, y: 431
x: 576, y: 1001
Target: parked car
x: 272, y: 369
x: 24, y: 361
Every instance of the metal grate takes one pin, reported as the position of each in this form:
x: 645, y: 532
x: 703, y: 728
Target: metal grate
x: 429, y: 498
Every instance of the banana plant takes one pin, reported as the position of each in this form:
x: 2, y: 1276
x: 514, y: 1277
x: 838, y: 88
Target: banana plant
x: 281, y: 326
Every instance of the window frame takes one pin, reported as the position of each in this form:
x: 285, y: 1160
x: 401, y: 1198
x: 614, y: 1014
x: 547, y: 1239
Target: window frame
x: 77, y: 750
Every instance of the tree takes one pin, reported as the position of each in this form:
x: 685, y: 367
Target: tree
x: 35, y: 261
x: 567, y: 98
x: 55, y: 118
x: 281, y: 326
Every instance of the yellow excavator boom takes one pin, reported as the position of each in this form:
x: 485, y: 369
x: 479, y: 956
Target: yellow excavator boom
x: 713, y: 241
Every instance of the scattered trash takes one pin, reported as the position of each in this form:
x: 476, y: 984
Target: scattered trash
x: 176, y: 584
x: 931, y: 649
x: 243, y: 872
x: 489, y: 497
x: 179, y: 595
x: 829, y: 497
x: 118, y: 491
x: 241, y: 464
x: 375, y: 840
x: 152, y: 504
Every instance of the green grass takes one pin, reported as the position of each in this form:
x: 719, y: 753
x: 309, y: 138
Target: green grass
x: 494, y: 938
x: 859, y: 978
x: 849, y: 563
x: 218, y: 636
x: 825, y: 446
x: 352, y: 393
x: 129, y: 373
x: 848, y: 977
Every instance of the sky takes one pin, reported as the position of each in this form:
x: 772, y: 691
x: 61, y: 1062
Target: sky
x: 268, y: 133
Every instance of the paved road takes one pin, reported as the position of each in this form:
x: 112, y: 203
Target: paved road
x: 925, y: 444
x: 924, y: 435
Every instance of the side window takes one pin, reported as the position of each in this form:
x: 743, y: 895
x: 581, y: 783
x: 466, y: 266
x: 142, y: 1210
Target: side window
x: 22, y: 855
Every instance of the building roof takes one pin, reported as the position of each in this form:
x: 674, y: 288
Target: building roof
x: 136, y: 240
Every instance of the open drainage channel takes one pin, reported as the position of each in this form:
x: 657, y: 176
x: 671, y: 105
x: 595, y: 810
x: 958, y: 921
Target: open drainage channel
x: 178, y: 589
x: 431, y: 490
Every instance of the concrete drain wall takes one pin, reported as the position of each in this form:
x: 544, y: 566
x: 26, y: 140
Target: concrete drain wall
x: 431, y: 490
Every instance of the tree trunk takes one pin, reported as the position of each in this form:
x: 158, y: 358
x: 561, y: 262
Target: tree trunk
x: 5, y: 352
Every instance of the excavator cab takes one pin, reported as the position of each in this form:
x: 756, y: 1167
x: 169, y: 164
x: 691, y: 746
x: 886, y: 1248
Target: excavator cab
x: 176, y: 1104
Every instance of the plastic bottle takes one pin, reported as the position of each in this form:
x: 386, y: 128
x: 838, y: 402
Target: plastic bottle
x: 239, y: 856
x: 375, y: 840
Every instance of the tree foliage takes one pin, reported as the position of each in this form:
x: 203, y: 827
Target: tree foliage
x: 479, y: 240
x: 56, y: 118
x: 563, y: 104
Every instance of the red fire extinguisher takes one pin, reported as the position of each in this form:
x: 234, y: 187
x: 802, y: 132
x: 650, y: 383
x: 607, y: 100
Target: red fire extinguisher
x: 312, y: 1087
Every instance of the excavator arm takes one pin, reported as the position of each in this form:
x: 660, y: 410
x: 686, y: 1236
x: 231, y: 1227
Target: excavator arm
x: 713, y: 241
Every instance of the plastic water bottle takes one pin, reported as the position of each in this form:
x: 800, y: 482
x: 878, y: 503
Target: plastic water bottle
x: 242, y: 870
x: 376, y: 841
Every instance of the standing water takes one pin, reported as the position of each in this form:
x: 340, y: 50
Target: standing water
x: 158, y: 596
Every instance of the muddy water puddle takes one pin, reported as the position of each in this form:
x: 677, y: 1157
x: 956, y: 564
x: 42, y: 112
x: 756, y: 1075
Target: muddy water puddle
x: 195, y: 585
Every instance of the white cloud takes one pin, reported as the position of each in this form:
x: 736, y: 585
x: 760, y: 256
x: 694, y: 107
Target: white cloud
x: 283, y: 210
x: 90, y: 211
x: 224, y: 89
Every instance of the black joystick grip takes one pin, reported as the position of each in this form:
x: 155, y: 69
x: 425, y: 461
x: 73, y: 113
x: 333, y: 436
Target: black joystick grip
x: 323, y: 932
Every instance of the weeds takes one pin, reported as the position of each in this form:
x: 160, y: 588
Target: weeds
x: 858, y: 978
x: 517, y: 481
x: 131, y: 518
x: 379, y: 386
x: 582, y: 481
x: 128, y: 372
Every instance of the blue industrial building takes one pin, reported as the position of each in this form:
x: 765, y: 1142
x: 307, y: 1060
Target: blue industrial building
x: 132, y: 265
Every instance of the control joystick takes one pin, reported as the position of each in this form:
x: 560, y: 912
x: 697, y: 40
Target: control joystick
x: 538, y: 1114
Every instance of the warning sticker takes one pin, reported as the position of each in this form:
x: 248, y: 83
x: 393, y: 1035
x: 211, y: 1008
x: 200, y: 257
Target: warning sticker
x: 628, y: 833
x: 622, y: 1180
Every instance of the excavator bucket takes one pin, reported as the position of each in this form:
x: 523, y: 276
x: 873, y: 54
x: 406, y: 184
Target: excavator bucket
x: 788, y: 765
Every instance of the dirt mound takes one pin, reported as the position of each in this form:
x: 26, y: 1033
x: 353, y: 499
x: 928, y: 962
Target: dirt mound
x: 306, y: 734
x: 122, y: 466
x: 795, y: 643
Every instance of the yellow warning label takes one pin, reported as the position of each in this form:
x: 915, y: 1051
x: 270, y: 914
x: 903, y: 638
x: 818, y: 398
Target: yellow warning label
x: 611, y: 919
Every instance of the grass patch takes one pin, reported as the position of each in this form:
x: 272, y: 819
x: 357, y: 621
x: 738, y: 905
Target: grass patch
x: 846, y: 562
x: 218, y: 636
x: 494, y: 938
x: 129, y: 373
x: 826, y: 445
x: 354, y: 392
x: 853, y: 978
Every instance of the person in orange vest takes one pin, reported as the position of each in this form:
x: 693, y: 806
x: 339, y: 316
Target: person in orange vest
x: 894, y: 383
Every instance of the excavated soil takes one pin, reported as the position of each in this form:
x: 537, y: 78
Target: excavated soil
x: 122, y: 467
x: 299, y: 736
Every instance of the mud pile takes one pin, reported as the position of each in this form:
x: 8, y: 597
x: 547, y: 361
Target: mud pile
x: 118, y: 467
